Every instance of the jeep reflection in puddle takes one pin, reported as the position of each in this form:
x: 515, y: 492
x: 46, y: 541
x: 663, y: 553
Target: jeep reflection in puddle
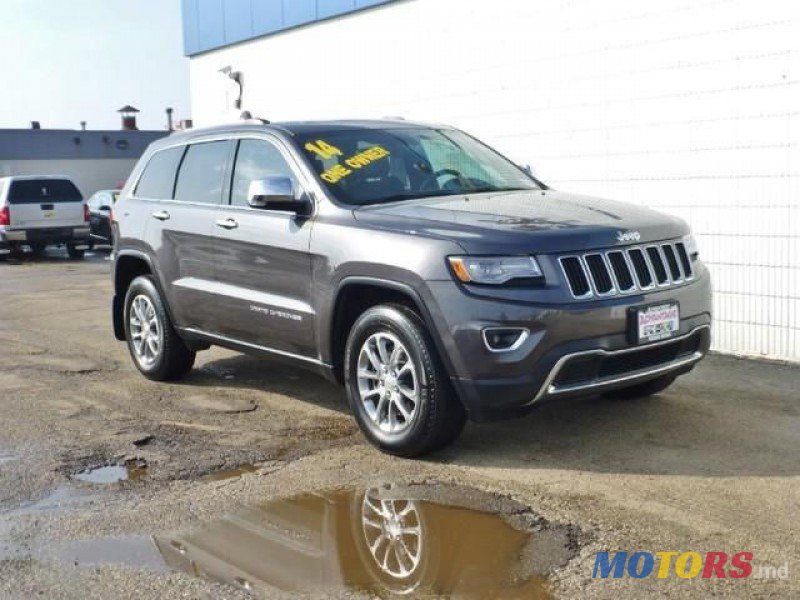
x: 370, y: 541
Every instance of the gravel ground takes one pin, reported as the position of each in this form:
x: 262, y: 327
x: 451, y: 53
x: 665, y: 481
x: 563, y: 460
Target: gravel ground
x: 710, y: 465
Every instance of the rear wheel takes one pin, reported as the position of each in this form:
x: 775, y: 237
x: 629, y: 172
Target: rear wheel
x: 396, y: 387
x: 157, y: 350
x: 75, y: 253
x: 648, y: 388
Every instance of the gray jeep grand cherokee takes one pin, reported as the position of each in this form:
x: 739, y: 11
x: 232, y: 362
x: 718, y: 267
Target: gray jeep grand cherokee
x: 431, y: 276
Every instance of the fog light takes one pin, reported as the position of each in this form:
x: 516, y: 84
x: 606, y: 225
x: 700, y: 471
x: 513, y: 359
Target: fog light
x: 504, y: 339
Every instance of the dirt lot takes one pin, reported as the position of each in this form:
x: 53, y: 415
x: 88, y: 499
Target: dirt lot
x: 711, y: 465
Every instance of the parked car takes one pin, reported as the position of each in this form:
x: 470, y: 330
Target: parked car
x: 42, y: 211
x: 431, y: 276
x: 101, y: 215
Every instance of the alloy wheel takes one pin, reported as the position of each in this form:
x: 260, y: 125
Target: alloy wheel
x: 147, y: 334
x: 387, y: 383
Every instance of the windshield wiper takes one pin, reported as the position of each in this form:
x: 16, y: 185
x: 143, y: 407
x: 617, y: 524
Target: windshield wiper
x: 483, y: 190
x: 412, y: 196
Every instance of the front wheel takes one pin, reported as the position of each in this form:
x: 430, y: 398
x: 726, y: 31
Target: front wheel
x: 157, y: 350
x: 648, y: 388
x: 397, y: 389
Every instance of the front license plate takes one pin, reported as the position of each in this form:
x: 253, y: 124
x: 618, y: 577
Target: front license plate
x: 657, y: 322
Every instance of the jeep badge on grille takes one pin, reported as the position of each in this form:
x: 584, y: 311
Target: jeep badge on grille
x: 628, y: 236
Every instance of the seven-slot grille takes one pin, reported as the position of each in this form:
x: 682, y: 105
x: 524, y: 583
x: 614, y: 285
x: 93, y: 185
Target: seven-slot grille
x: 627, y: 270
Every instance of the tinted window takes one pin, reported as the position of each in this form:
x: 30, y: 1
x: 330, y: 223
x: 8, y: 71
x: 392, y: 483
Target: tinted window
x: 202, y: 172
x: 48, y: 191
x: 368, y: 166
x: 256, y: 159
x: 102, y: 199
x: 158, y: 179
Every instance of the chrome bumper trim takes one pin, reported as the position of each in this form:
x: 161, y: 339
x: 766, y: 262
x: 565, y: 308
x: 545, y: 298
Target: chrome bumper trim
x: 548, y: 389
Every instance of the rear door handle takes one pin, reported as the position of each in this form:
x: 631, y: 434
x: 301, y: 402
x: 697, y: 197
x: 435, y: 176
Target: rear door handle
x: 161, y: 215
x: 227, y: 223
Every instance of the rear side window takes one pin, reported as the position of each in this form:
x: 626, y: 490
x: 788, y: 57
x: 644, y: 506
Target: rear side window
x: 158, y: 178
x: 38, y: 191
x: 202, y: 173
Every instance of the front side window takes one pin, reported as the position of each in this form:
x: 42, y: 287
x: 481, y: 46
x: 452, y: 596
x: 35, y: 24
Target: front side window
x: 158, y: 178
x: 257, y: 159
x: 202, y: 173
x: 370, y: 166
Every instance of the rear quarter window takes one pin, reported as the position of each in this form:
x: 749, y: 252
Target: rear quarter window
x: 38, y: 191
x: 158, y: 178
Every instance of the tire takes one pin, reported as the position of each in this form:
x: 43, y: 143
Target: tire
x: 648, y: 388
x: 74, y: 253
x: 172, y: 359
x: 435, y: 419
x: 38, y: 250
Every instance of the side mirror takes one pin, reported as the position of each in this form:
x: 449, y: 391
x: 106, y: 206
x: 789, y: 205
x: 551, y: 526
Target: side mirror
x: 276, y: 193
x: 528, y: 169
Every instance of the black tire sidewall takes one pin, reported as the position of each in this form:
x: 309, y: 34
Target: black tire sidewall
x: 394, y: 320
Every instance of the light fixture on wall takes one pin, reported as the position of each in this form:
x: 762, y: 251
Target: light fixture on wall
x: 238, y: 78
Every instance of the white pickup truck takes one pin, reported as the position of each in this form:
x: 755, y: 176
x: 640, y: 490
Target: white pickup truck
x: 42, y: 211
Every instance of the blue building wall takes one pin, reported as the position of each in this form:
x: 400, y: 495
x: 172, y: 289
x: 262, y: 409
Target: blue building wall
x: 210, y: 24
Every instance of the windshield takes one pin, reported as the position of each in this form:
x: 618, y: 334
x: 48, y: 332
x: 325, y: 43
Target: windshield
x: 370, y: 166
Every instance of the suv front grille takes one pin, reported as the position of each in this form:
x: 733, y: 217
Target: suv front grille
x: 628, y: 270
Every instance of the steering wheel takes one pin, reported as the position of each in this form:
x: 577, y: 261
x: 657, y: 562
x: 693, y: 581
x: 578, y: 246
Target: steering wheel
x: 432, y: 180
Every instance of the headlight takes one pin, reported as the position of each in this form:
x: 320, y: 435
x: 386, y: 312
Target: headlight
x: 691, y: 247
x: 494, y: 270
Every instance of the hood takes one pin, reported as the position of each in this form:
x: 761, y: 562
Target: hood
x: 525, y: 221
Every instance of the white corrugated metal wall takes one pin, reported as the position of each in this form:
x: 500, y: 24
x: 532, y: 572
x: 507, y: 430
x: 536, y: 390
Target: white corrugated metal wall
x: 689, y: 106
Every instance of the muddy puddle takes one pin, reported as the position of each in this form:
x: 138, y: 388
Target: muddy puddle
x: 137, y: 551
x: 383, y: 541
x: 108, y: 474
x: 231, y: 473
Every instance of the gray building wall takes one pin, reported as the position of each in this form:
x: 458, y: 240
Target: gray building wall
x: 94, y: 160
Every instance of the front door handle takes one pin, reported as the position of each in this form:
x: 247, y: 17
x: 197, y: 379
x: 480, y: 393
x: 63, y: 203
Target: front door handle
x: 161, y: 215
x: 227, y: 223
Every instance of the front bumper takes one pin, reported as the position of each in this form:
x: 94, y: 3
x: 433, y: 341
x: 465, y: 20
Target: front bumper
x: 574, y: 349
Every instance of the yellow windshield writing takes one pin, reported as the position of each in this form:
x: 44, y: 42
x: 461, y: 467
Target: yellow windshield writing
x: 323, y: 149
x: 358, y: 161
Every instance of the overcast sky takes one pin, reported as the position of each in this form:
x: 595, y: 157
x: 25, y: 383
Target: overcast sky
x: 67, y: 61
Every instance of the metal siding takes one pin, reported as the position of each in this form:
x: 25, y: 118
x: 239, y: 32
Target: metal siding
x: 692, y: 108
x: 238, y: 19
x: 331, y: 8
x: 211, y: 24
x: 191, y: 43
x: 298, y: 12
x: 267, y: 16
